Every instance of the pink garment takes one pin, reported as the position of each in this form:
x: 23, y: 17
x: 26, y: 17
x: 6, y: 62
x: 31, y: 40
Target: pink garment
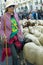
x: 15, y: 40
x: 4, y: 53
x: 7, y: 17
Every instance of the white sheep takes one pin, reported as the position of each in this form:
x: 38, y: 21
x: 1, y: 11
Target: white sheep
x: 32, y: 37
x: 29, y: 52
x: 34, y: 31
x: 41, y: 39
x: 40, y: 22
x: 32, y: 21
x: 37, y: 31
x: 39, y: 28
x: 33, y: 53
x: 25, y: 30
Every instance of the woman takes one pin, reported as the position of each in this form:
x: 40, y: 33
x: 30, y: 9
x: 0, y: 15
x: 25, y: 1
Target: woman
x: 10, y: 22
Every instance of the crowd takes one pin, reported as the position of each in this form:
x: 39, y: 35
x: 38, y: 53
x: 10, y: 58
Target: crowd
x: 37, y: 14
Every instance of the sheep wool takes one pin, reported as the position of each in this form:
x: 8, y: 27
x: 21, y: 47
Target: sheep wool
x: 39, y: 56
x: 33, y: 38
x: 29, y: 51
x: 34, y: 31
x: 41, y: 39
x: 33, y: 53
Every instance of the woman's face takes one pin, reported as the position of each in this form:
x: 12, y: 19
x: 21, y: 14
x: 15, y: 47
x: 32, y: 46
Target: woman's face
x: 11, y: 8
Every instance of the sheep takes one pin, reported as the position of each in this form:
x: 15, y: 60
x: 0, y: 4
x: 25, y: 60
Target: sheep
x: 29, y: 52
x: 41, y: 39
x: 32, y: 37
x: 32, y: 21
x: 40, y: 22
x: 25, y: 30
x: 39, y: 28
x: 34, y: 31
x: 33, y: 53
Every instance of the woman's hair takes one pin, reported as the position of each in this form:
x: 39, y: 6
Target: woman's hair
x: 6, y: 10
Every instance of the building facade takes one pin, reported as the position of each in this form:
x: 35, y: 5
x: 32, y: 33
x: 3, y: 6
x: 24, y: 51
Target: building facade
x: 30, y: 4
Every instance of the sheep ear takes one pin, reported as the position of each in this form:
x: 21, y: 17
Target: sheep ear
x: 27, y: 40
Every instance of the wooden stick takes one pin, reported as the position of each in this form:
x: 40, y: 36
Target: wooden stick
x: 6, y: 55
x: 5, y: 40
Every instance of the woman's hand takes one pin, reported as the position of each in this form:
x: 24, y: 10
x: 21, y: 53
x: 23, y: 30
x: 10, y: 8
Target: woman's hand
x: 5, y: 38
